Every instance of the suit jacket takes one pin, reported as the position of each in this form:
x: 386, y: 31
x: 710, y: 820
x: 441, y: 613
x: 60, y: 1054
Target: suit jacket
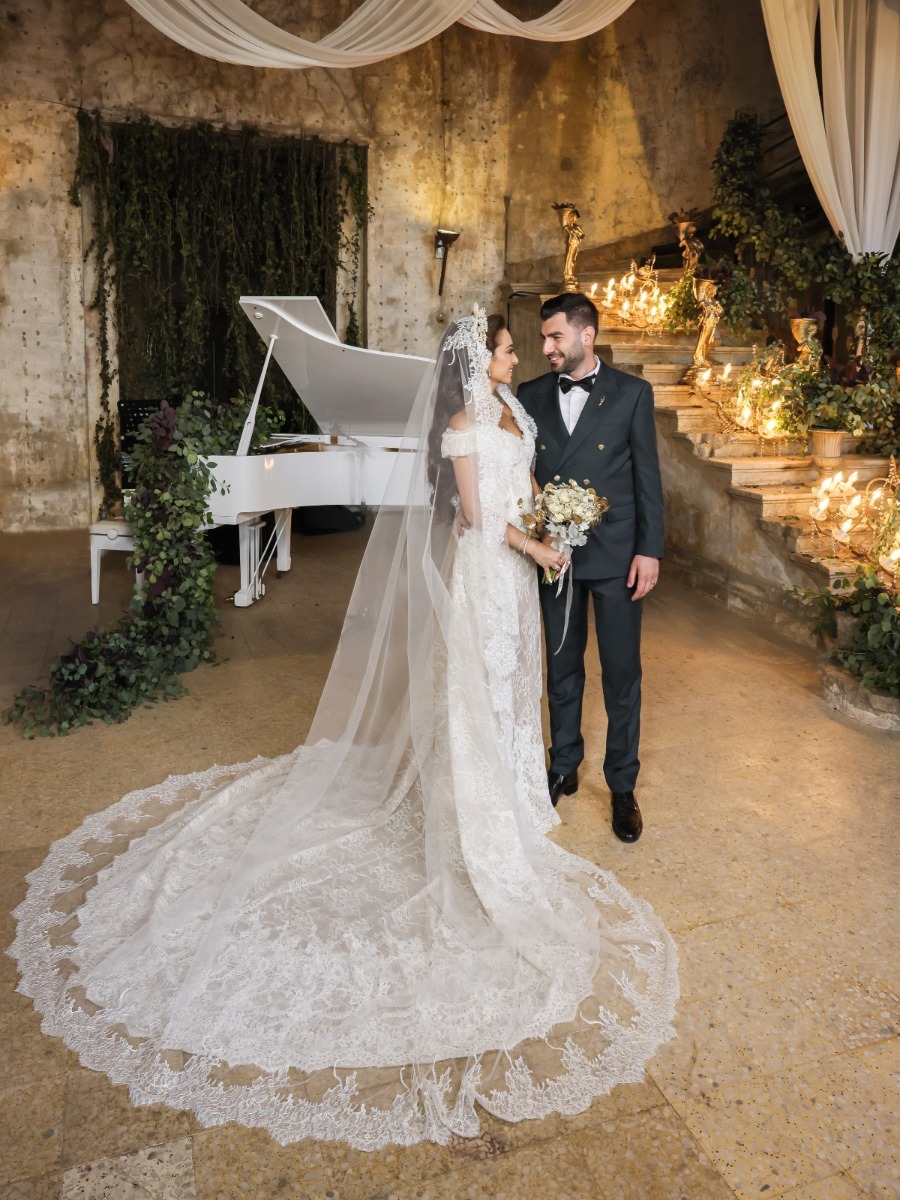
x: 612, y: 449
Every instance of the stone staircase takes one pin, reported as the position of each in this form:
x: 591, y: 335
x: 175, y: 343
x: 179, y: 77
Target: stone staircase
x: 737, y: 511
x: 737, y: 521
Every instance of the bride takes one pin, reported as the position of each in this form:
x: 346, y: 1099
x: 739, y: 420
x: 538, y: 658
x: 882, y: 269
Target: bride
x: 372, y: 937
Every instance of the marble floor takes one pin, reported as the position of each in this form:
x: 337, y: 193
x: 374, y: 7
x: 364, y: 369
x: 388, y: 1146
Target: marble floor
x: 770, y: 849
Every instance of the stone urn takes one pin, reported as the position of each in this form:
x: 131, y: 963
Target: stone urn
x: 826, y: 450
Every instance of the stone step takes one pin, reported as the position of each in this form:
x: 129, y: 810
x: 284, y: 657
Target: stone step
x: 693, y: 418
x: 668, y: 395
x: 829, y: 569
x: 748, y: 445
x: 625, y: 335
x: 866, y: 466
x: 774, y: 500
x: 664, y: 374
x: 768, y: 469
x: 650, y: 352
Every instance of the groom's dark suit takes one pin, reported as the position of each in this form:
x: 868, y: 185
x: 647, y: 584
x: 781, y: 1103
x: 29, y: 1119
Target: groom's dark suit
x: 612, y: 449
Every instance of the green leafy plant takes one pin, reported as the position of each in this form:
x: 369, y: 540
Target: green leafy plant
x: 741, y: 302
x: 872, y: 648
x: 682, y: 314
x: 186, y: 221
x: 167, y: 629
x: 787, y: 258
x: 737, y: 293
x: 790, y: 262
x: 216, y: 428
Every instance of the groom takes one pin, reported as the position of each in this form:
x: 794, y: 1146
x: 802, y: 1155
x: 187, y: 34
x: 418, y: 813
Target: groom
x: 595, y: 425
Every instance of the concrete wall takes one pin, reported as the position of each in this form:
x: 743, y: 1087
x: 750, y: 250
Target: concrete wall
x: 470, y: 132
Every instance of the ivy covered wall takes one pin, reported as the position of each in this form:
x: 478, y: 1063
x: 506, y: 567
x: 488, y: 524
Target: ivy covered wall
x: 471, y: 131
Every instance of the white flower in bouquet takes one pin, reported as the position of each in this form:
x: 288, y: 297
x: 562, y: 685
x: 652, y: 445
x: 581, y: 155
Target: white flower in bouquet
x: 567, y: 512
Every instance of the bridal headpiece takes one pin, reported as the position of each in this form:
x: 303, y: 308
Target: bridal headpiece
x: 468, y: 337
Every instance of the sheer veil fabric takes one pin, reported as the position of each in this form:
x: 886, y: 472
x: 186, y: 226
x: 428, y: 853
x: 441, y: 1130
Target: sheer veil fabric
x: 371, y: 937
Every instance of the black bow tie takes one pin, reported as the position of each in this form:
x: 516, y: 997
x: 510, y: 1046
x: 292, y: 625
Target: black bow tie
x: 566, y: 384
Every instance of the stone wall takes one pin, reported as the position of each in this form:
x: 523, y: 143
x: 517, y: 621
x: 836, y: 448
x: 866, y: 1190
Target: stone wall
x: 472, y: 132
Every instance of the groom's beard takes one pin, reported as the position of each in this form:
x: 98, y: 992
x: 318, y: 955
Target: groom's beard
x: 570, y: 363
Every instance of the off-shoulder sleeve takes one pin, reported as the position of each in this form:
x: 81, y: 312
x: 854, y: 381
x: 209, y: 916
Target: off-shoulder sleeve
x: 456, y: 443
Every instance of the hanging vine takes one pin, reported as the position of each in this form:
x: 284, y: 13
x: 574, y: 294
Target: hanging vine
x: 93, y: 168
x: 167, y: 629
x: 186, y: 222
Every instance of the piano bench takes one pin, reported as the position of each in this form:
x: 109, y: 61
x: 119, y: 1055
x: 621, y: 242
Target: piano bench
x: 108, y: 535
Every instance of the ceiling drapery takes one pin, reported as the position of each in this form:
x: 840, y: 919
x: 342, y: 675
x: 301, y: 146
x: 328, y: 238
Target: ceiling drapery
x: 850, y: 136
x: 229, y: 31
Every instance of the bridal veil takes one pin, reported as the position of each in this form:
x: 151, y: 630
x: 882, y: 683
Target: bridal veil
x: 372, y: 936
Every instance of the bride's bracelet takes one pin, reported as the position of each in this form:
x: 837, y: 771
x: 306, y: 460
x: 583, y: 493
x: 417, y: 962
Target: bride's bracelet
x: 525, y: 541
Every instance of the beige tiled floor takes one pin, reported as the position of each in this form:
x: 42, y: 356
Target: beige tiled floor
x: 771, y: 850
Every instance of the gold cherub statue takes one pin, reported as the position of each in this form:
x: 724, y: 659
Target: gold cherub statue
x: 573, y: 233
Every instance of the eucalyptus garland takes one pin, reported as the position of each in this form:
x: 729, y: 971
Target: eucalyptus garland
x: 186, y: 221
x: 167, y: 629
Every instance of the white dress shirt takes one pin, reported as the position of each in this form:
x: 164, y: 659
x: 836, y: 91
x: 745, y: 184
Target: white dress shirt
x: 571, y: 403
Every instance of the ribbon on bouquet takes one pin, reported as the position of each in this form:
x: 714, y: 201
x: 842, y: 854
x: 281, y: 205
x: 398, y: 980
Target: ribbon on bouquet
x: 564, y: 571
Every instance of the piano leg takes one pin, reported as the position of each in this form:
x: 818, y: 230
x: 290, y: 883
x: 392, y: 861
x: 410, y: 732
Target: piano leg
x: 252, y: 587
x: 283, y: 543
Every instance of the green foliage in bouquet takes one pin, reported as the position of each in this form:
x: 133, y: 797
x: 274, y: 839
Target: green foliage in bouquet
x: 167, y: 629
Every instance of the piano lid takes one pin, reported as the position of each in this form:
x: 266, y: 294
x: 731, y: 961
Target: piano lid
x: 346, y: 388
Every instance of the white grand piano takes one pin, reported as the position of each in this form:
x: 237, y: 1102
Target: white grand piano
x: 364, y: 396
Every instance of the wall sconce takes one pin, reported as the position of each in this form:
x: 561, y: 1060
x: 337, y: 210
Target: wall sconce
x: 443, y: 240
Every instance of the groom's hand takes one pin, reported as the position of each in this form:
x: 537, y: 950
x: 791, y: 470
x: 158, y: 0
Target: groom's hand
x: 644, y: 572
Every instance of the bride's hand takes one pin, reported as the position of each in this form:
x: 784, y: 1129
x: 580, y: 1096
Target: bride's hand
x: 546, y: 556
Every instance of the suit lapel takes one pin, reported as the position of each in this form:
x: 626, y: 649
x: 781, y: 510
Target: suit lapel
x: 550, y: 416
x: 605, y: 391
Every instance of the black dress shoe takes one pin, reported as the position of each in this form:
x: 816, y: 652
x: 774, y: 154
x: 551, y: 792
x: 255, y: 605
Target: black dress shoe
x: 626, y: 817
x: 561, y: 785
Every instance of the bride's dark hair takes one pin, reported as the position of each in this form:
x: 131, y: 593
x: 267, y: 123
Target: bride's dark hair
x: 450, y: 399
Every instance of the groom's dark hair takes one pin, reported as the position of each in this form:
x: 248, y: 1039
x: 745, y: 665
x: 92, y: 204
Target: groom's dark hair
x: 579, y: 311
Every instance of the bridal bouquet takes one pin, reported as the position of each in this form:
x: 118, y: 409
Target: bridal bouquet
x: 567, y: 512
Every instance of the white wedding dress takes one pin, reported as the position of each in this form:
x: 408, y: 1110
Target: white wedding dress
x: 372, y: 936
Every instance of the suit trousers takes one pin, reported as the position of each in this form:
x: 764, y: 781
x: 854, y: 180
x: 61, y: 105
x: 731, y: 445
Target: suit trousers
x: 618, y: 625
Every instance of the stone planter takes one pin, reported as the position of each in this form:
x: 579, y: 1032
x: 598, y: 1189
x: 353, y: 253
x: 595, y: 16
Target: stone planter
x: 827, y: 447
x: 845, y: 693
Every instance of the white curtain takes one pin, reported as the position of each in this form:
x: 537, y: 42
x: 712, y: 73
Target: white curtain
x: 569, y: 19
x: 849, y: 135
x: 229, y: 31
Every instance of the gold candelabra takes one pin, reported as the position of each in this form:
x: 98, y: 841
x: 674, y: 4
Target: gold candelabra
x: 866, y: 523
x: 635, y: 300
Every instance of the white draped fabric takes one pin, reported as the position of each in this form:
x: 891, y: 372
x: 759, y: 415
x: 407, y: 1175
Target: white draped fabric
x: 229, y: 31
x: 849, y: 134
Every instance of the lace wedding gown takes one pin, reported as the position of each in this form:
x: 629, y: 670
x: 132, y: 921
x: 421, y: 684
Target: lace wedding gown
x: 365, y: 939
